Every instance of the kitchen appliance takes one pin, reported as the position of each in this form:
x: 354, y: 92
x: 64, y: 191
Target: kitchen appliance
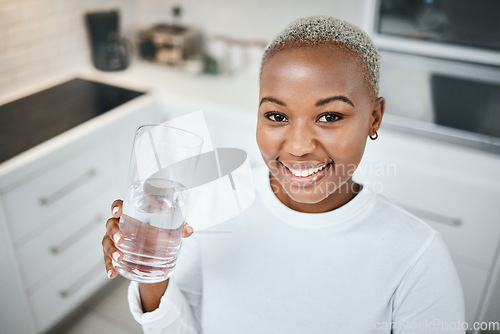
x: 43, y: 115
x: 464, y: 30
x: 110, y: 51
x: 452, y: 101
x: 170, y: 44
x: 440, y: 79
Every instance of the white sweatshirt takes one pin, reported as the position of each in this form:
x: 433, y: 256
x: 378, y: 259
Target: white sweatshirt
x: 365, y: 267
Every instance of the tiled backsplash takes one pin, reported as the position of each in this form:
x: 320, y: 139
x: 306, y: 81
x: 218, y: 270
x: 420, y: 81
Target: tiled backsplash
x: 40, y: 39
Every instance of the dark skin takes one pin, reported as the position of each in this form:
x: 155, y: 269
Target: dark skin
x: 151, y: 293
x: 316, y: 109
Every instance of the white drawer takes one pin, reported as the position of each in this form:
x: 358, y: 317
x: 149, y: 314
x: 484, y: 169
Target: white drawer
x: 61, y: 243
x: 32, y: 204
x: 68, y: 289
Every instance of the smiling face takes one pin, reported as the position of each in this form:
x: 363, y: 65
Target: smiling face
x: 315, y: 114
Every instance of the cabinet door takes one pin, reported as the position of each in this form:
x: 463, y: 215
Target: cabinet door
x: 31, y: 205
x: 73, y: 234
x: 491, y: 310
x: 68, y: 288
x: 15, y: 316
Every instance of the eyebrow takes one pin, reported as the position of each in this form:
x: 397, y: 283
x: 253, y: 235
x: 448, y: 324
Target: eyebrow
x: 318, y: 104
x: 273, y: 100
x: 334, y: 98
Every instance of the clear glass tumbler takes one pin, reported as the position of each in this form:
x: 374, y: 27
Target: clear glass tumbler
x: 163, y: 162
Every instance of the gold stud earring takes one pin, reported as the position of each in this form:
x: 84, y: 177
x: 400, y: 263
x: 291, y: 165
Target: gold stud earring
x: 374, y: 136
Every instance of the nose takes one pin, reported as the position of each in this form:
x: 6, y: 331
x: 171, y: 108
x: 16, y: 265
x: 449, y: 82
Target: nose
x: 299, y: 140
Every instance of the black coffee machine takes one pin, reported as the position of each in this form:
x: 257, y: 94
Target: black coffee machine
x: 110, y: 52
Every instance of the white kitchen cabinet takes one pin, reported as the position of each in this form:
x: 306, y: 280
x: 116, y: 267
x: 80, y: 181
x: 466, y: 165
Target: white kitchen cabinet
x: 74, y: 282
x: 57, y: 187
x: 492, y: 303
x: 54, y: 202
x: 15, y: 316
x: 455, y: 190
x: 64, y: 241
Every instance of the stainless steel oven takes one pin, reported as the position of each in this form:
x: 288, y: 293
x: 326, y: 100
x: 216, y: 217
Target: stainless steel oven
x: 440, y: 67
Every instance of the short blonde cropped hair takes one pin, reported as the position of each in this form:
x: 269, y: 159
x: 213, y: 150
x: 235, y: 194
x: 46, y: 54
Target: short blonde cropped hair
x: 328, y: 30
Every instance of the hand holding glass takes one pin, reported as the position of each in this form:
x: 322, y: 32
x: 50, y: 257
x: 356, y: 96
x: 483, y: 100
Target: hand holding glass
x: 155, y: 203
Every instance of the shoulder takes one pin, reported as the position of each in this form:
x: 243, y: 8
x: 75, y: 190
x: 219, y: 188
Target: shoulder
x: 395, y: 221
x: 417, y: 252
x: 398, y: 235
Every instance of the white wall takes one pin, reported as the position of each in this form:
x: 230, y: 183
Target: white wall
x: 40, y: 39
x: 252, y: 19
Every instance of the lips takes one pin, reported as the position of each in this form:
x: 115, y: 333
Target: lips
x: 304, y: 174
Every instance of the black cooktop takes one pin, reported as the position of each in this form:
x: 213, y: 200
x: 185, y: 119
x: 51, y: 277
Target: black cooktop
x: 33, y: 119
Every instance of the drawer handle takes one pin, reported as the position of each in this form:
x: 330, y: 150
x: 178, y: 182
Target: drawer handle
x: 47, y: 200
x: 433, y: 216
x: 73, y: 238
x: 80, y: 283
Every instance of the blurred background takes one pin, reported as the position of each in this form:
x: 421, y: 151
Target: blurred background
x: 77, y: 78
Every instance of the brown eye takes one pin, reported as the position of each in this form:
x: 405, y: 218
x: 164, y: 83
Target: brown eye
x: 276, y: 117
x: 328, y: 118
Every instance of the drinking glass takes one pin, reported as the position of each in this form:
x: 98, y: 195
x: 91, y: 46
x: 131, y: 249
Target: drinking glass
x: 155, y: 204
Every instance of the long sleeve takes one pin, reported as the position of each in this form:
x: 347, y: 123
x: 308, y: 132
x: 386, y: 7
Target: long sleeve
x: 430, y: 298
x: 179, y: 310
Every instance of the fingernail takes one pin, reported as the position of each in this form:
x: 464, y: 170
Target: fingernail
x: 116, y: 238
x: 189, y: 229
x: 115, y: 210
x: 116, y: 256
x: 109, y: 273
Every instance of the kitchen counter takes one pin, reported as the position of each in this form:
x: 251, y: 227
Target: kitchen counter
x: 227, y: 94
x: 238, y: 91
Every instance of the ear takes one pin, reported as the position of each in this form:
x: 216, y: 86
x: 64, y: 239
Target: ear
x: 376, y: 116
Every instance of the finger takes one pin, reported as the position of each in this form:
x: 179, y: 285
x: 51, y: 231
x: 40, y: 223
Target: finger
x: 110, y: 270
x: 116, y: 208
x: 187, y: 230
x: 113, y: 230
x: 109, y: 249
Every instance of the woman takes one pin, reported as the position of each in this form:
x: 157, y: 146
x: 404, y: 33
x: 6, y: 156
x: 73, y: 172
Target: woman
x: 317, y: 252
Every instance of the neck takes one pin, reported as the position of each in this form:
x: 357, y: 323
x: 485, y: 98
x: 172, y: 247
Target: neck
x: 335, y: 200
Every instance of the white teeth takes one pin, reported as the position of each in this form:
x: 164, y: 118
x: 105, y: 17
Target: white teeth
x: 306, y: 172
